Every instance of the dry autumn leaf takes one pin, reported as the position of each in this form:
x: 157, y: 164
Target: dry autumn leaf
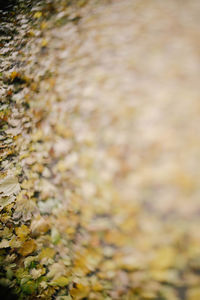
x: 9, y: 186
x: 27, y: 248
x: 100, y: 148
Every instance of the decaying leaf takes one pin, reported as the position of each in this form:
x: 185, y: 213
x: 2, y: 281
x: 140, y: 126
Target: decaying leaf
x: 4, y: 244
x: 9, y: 186
x: 6, y: 200
x: 100, y: 148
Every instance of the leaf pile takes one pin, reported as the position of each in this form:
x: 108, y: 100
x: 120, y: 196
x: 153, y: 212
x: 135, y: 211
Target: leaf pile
x: 99, y: 150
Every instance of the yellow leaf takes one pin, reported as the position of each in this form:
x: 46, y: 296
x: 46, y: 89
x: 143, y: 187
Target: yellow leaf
x: 193, y: 294
x: 60, y: 281
x: 39, y: 226
x: 164, y: 258
x: 47, y: 253
x: 80, y: 291
x: 37, y: 15
x: 96, y: 286
x: 22, y: 232
x: 27, y: 248
x: 14, y: 75
x: 44, y: 43
x: 43, y: 25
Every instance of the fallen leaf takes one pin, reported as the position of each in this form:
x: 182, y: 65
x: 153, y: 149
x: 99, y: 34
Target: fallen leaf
x: 27, y: 248
x: 9, y: 186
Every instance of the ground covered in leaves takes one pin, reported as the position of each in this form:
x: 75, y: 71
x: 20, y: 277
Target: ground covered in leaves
x: 100, y: 149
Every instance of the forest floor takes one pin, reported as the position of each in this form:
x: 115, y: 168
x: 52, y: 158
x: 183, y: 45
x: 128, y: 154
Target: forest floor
x: 100, y: 150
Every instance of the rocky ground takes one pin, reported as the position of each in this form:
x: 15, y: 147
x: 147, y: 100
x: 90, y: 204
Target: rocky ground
x: 100, y: 149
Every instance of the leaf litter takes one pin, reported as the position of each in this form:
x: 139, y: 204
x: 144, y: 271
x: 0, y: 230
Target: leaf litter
x: 99, y: 150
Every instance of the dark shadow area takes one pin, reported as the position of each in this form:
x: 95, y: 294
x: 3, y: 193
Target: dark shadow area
x: 6, y: 294
x: 7, y: 4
